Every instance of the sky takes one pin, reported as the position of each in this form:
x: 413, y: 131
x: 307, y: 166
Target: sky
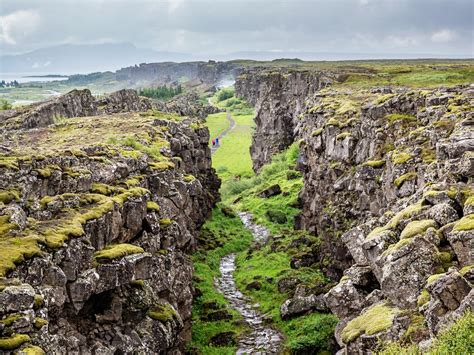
x: 216, y: 27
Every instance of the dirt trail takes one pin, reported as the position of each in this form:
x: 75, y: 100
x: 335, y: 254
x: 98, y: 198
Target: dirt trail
x: 262, y: 339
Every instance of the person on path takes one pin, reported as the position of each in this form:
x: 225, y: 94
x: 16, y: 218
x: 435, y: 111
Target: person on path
x: 213, y: 142
x: 217, y: 141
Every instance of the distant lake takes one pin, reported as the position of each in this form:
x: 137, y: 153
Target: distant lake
x: 27, y: 77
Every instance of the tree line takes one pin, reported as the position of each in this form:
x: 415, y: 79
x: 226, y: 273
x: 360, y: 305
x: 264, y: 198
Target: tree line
x: 161, y: 92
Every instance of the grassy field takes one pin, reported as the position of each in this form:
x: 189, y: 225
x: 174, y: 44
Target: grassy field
x: 232, y: 159
x: 217, y: 123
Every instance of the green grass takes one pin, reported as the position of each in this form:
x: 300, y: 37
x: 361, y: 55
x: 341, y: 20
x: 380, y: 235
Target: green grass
x: 221, y: 235
x: 233, y: 158
x: 217, y: 123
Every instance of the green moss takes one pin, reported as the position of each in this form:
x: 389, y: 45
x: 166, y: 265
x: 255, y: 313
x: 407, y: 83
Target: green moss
x: 9, y: 320
x: 130, y: 193
x: 317, y: 132
x: 137, y: 283
x: 374, y: 163
x: 152, y: 206
x: 32, y: 350
x: 189, y: 178
x: 466, y: 269
x: 397, y: 246
x: 383, y: 98
x: 7, y: 196
x: 44, y: 173
x: 39, y: 301
x: 343, y: 135
x: 423, y: 298
x: 433, y: 278
x: 165, y: 222
x: 400, y: 157
x: 406, y: 213
x: 10, y: 163
x: 134, y: 181
x: 13, y: 342
x: 417, y: 227
x: 398, y: 182
x: 162, y: 313
x: 116, y: 251
x: 162, y: 165
x: 400, y: 117
x: 40, y: 323
x: 333, y: 122
x: 465, y: 224
x: 374, y: 320
x: 14, y: 250
x: 102, y: 189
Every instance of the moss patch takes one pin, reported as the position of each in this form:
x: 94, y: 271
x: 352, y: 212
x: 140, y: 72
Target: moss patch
x: 13, y: 342
x: 374, y: 320
x: 116, y: 251
x: 374, y: 163
x: 398, y: 182
x: 465, y: 224
x: 152, y: 206
x: 32, y: 350
x: 417, y: 227
x: 162, y: 313
x: 400, y: 157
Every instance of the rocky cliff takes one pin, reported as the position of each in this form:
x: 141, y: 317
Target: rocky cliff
x: 388, y: 186
x: 97, y: 217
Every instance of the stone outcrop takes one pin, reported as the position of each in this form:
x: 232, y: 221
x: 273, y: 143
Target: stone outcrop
x: 388, y: 187
x: 98, y: 216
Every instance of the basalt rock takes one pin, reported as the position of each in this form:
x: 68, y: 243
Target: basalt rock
x: 98, y: 216
x: 388, y: 185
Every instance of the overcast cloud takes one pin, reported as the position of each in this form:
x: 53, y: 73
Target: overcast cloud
x: 213, y: 27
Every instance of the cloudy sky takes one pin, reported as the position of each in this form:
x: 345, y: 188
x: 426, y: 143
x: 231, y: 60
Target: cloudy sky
x: 213, y: 27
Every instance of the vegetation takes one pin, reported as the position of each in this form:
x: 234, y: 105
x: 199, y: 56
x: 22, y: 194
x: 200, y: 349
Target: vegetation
x: 162, y: 312
x: 161, y: 92
x: 221, y: 235
x: 374, y: 320
x: 116, y: 251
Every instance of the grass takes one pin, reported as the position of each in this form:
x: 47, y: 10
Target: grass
x: 232, y: 159
x: 217, y: 123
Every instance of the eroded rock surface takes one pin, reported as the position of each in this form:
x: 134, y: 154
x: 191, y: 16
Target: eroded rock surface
x: 388, y: 186
x: 97, y: 217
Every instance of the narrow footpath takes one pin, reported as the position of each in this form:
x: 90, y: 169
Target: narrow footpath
x: 222, y: 135
x: 262, y: 339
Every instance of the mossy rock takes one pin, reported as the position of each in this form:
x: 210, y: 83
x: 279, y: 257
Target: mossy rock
x: 417, y: 227
x: 152, y: 206
x: 162, y: 312
x: 398, y: 182
x: 374, y: 320
x: 464, y: 224
x: 40, y: 323
x: 13, y: 342
x: 400, y: 157
x: 116, y: 251
x: 32, y: 350
x: 374, y: 163
x: 165, y: 223
x: 7, y: 196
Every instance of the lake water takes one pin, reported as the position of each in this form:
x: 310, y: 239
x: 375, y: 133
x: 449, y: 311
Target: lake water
x: 23, y: 77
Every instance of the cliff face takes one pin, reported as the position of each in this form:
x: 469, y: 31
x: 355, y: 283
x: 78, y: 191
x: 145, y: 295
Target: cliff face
x: 278, y: 98
x: 97, y: 217
x: 388, y: 186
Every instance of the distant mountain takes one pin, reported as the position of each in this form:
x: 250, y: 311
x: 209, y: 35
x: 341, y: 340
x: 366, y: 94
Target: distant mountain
x: 318, y: 56
x: 69, y: 59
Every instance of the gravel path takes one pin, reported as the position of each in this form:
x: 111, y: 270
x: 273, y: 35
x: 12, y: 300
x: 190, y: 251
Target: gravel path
x: 222, y: 135
x: 262, y: 339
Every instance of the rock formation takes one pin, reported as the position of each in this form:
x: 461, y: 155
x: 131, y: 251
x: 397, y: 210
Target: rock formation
x: 97, y: 217
x: 388, y: 186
